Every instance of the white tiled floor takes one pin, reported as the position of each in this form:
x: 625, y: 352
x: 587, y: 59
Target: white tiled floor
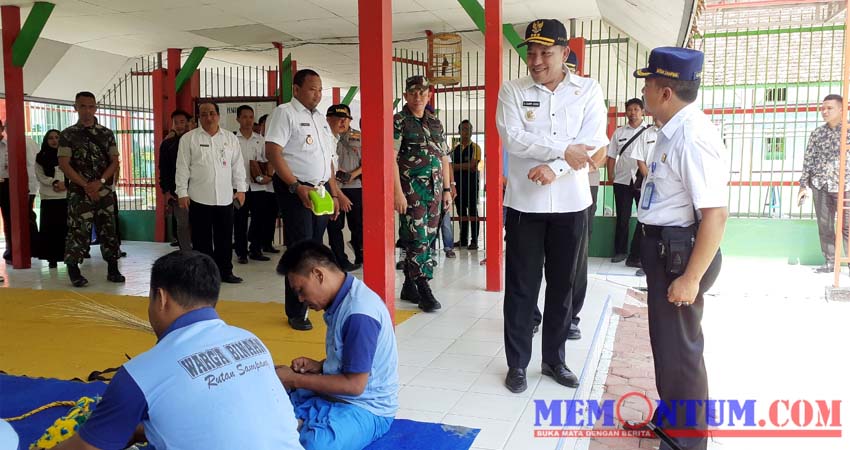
x: 763, y: 318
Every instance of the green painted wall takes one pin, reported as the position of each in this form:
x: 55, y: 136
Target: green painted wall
x: 137, y: 225
x: 792, y: 240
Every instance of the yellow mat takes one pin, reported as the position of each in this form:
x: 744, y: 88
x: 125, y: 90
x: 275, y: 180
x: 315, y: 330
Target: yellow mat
x: 39, y: 340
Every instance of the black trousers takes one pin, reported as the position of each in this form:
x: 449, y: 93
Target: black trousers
x: 54, y: 228
x: 591, y: 213
x: 6, y: 211
x: 466, y: 204
x: 212, y: 233
x: 263, y: 207
x: 538, y: 244
x: 624, y: 195
x: 240, y: 227
x: 676, y: 337
x: 299, y: 223
x: 826, y: 207
x: 355, y: 225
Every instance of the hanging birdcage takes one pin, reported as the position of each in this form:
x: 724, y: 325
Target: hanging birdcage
x: 444, y: 58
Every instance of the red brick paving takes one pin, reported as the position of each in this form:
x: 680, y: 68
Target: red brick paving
x: 630, y: 370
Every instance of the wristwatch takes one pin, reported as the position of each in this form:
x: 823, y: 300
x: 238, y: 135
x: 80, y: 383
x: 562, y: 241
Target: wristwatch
x: 293, y: 188
x: 447, y: 189
x: 259, y: 178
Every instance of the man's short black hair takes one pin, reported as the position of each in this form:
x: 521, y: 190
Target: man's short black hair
x: 686, y: 90
x: 634, y: 101
x: 834, y: 97
x: 180, y: 112
x: 84, y: 94
x: 305, y: 255
x: 215, y: 105
x: 262, y: 119
x: 302, y: 75
x: 191, y: 278
x: 243, y: 108
x: 467, y: 122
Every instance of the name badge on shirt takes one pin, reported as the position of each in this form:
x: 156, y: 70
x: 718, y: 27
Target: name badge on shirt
x: 531, y: 104
x: 305, y: 124
x: 204, y: 145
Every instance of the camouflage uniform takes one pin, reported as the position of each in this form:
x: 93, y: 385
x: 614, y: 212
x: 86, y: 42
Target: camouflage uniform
x: 90, y: 149
x: 420, y: 147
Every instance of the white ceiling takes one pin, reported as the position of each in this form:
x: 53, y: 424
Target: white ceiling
x: 104, y: 34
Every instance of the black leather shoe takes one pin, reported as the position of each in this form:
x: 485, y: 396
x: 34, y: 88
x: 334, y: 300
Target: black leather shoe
x: 574, y: 334
x: 561, y: 374
x: 257, y: 256
x: 515, y: 380
x: 232, y: 279
x: 300, y: 324
x: 619, y: 258
x: 472, y: 246
x: 270, y: 249
x: 633, y: 263
x: 409, y: 293
x: 427, y: 302
x: 242, y: 260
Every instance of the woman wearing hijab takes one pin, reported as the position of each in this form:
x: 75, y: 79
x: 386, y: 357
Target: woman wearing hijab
x: 54, y: 203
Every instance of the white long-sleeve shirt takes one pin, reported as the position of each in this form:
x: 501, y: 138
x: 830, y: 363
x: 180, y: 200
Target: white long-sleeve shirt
x: 536, y: 126
x: 210, y: 167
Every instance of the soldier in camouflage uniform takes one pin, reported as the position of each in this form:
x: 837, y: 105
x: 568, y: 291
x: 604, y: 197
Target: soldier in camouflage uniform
x: 88, y: 156
x: 424, y: 177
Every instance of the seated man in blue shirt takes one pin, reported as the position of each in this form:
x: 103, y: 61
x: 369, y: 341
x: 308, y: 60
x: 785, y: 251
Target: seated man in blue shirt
x: 350, y: 399
x: 204, y: 384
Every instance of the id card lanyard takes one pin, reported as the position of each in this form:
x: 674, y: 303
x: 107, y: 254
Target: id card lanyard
x: 649, y: 187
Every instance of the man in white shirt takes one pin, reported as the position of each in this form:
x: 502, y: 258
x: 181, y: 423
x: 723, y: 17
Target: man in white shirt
x: 550, y: 123
x: 209, y: 170
x: 687, y: 180
x: 622, y: 170
x: 250, y: 143
x: 301, y: 148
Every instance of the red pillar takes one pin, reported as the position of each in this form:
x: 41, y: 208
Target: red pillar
x: 336, y: 96
x: 272, y: 83
x: 375, y: 18
x: 493, y: 144
x: 18, y: 189
x: 612, y: 120
x: 191, y: 90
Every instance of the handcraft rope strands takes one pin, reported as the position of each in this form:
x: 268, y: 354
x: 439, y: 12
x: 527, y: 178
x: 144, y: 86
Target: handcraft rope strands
x: 91, y: 311
x: 41, y: 408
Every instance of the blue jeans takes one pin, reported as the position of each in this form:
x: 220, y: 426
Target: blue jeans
x: 447, y: 233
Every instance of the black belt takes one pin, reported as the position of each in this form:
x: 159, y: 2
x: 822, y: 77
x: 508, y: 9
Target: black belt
x: 654, y: 231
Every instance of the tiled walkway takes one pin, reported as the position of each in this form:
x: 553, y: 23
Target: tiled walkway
x: 768, y: 334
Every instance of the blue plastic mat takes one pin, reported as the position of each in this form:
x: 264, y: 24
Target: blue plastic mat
x: 19, y: 395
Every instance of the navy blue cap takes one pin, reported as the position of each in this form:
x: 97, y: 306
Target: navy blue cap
x: 673, y: 62
x: 547, y: 32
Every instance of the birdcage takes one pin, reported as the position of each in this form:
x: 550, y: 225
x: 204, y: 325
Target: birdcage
x: 444, y: 58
